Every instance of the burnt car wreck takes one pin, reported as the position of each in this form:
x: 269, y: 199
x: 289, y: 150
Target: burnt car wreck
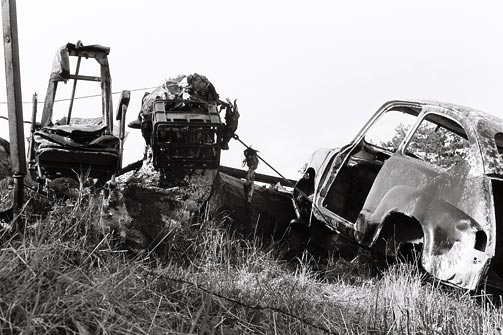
x: 420, y: 175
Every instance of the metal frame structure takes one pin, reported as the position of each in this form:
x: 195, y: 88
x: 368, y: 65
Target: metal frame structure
x: 186, y: 134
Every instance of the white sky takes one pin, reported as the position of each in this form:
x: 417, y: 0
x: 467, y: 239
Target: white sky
x: 306, y: 74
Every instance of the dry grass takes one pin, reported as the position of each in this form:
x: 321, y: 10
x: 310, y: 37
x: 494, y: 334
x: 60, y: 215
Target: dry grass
x: 66, y: 277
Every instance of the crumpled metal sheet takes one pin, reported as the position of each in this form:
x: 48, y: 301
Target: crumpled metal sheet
x: 183, y: 87
x: 61, y: 62
x: 88, y: 140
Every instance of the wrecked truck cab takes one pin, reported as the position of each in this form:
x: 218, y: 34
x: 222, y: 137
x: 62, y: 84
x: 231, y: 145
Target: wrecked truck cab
x: 419, y: 175
x: 83, y: 140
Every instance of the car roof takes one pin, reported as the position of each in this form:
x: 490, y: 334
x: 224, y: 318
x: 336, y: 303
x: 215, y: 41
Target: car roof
x: 485, y: 127
x: 473, y: 116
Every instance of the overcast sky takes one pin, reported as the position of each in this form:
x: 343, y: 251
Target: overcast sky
x: 306, y: 74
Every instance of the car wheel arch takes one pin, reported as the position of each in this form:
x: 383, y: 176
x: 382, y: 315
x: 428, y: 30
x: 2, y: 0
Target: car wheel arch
x: 398, y: 230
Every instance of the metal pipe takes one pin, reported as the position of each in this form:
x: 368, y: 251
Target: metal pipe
x: 31, y: 148
x: 73, y: 91
x: 121, y: 115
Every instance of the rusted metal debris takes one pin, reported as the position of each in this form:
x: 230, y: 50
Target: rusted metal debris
x: 231, y: 122
x: 251, y: 160
x: 421, y: 176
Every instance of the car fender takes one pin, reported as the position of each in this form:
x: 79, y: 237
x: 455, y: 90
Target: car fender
x: 425, y: 208
x: 319, y: 160
x: 454, y: 244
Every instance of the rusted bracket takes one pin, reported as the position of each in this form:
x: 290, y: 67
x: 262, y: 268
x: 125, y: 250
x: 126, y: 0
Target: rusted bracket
x: 121, y: 116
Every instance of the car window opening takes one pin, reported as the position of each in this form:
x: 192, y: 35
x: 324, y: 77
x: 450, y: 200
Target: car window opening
x: 439, y: 141
x: 353, y: 182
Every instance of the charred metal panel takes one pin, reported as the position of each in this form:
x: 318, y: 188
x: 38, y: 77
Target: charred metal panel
x: 450, y: 236
x: 447, y: 205
x: 321, y: 159
x: 59, y: 162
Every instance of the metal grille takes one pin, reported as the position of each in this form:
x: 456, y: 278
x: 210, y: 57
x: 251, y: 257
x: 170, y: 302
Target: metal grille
x: 189, y: 139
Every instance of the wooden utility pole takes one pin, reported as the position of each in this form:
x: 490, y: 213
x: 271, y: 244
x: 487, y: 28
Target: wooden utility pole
x: 14, y: 103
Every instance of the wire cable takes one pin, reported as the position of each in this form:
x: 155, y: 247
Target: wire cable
x: 6, y: 118
x: 87, y: 96
x: 305, y: 196
x: 77, y: 98
x: 254, y: 307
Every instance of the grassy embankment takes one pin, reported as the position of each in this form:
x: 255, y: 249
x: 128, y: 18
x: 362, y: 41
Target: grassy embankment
x: 64, y: 276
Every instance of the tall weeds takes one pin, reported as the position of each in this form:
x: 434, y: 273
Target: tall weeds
x: 66, y: 276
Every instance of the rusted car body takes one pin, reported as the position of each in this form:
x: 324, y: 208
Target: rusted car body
x: 420, y: 175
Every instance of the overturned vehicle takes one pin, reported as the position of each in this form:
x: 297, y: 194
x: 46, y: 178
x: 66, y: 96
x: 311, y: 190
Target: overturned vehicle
x: 420, y: 176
